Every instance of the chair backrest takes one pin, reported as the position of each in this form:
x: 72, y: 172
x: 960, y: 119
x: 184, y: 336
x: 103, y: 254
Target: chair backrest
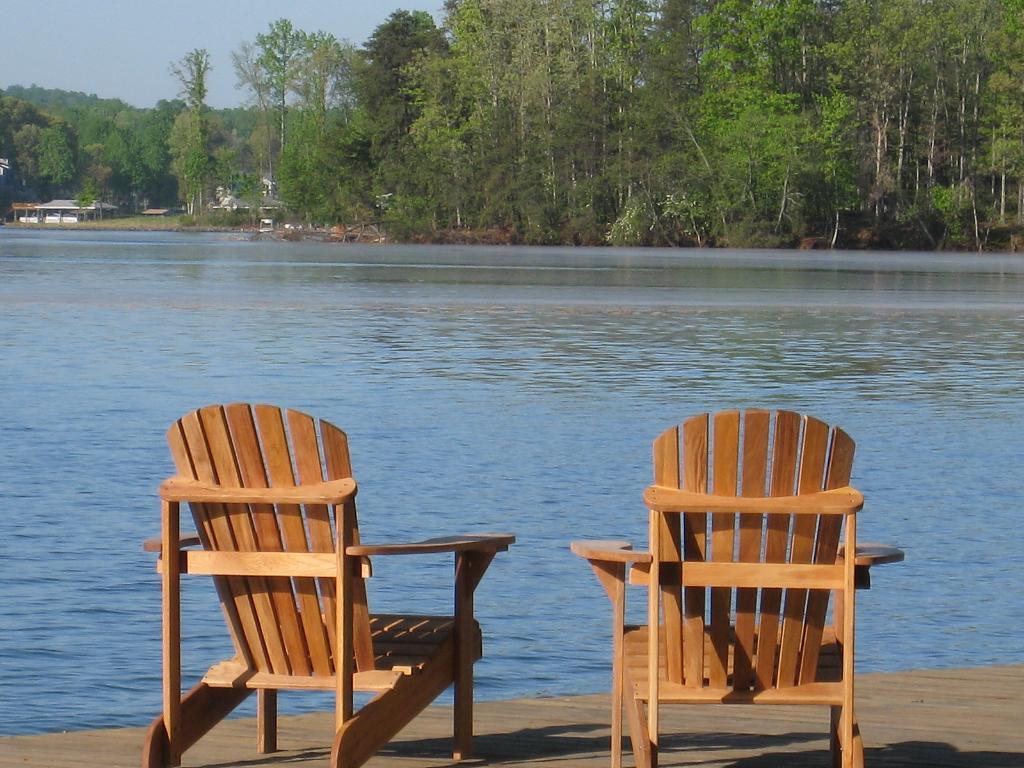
x: 746, y: 638
x: 279, y: 625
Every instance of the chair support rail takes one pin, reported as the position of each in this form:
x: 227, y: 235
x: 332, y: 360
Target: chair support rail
x: 332, y: 492
x: 840, y: 501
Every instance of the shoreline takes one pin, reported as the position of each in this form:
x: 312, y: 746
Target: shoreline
x: 336, y: 234
x: 371, y: 234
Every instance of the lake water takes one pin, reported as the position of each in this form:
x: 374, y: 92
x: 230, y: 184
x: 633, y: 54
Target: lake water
x: 488, y: 388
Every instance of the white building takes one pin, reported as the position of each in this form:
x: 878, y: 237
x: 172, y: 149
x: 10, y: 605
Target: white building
x: 65, y: 212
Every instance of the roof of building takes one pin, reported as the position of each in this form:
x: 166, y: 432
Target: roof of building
x: 71, y: 205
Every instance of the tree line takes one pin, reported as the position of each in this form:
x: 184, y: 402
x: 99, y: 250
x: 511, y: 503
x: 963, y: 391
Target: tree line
x: 736, y: 122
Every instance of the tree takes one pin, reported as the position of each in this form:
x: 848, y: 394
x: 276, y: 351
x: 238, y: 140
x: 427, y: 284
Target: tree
x: 57, y: 166
x: 302, y: 176
x: 156, y: 181
x: 280, y: 51
x: 251, y: 75
x: 192, y: 71
x: 190, y: 159
x: 323, y: 75
x: 26, y: 141
x: 189, y: 139
x: 384, y: 80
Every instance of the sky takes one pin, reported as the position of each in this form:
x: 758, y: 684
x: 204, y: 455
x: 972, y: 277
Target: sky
x: 123, y: 48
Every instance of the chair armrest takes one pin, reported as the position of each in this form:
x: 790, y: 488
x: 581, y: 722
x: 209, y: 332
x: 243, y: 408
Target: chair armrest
x: 479, y: 542
x: 154, y: 545
x: 840, y: 501
x: 332, y: 492
x: 869, y: 554
x: 609, y: 551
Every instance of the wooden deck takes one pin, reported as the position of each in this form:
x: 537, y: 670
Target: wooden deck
x: 972, y: 718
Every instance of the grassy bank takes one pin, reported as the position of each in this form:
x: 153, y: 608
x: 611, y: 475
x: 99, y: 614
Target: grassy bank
x: 137, y: 224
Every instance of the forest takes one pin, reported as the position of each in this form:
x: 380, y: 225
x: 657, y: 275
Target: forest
x: 742, y: 123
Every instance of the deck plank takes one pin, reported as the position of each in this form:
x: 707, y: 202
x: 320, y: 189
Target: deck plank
x: 909, y: 719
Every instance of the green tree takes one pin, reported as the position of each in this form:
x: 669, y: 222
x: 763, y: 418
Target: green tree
x: 26, y: 141
x: 251, y: 76
x: 156, y: 182
x: 303, y: 179
x: 189, y: 139
x: 280, y: 50
x: 385, y: 76
x: 323, y: 78
x: 192, y: 71
x: 57, y: 167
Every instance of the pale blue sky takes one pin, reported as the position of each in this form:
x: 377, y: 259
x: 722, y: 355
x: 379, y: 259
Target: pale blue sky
x: 123, y: 48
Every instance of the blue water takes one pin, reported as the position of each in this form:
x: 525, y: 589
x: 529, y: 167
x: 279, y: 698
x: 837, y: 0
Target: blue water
x: 488, y: 389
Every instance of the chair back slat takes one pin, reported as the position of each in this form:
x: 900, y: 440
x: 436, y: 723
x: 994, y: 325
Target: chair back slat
x: 280, y: 457
x: 280, y: 625
x: 695, y: 478
x: 732, y: 640
x: 268, y: 536
x: 840, y: 467
x: 236, y: 603
x: 785, y: 454
x: 310, y: 470
x: 812, y: 467
x: 223, y: 536
x: 339, y: 466
x: 239, y: 517
x: 724, y: 476
x: 666, y: 472
x: 756, y: 428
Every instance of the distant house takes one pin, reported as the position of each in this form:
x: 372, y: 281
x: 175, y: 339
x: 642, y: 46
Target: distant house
x: 226, y: 201
x: 61, y: 212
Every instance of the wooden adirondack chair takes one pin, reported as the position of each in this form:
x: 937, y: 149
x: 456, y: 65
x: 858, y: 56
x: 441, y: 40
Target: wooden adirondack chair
x: 746, y: 514
x: 273, y: 500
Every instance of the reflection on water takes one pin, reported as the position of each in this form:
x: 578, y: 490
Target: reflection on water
x: 507, y: 388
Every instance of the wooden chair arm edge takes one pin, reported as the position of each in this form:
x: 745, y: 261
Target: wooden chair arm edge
x: 870, y: 554
x: 179, y: 489
x: 154, y: 545
x: 609, y: 551
x: 473, y: 542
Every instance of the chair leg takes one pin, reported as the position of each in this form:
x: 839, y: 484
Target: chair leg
x: 643, y: 753
x: 858, y: 745
x: 266, y: 721
x: 386, y: 714
x: 833, y: 736
x: 201, y: 709
x: 465, y: 636
x: 845, y: 755
x: 617, y: 592
x: 463, y: 712
x: 617, y: 714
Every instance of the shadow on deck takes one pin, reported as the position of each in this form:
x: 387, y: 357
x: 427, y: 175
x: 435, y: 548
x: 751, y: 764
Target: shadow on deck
x: 966, y: 718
